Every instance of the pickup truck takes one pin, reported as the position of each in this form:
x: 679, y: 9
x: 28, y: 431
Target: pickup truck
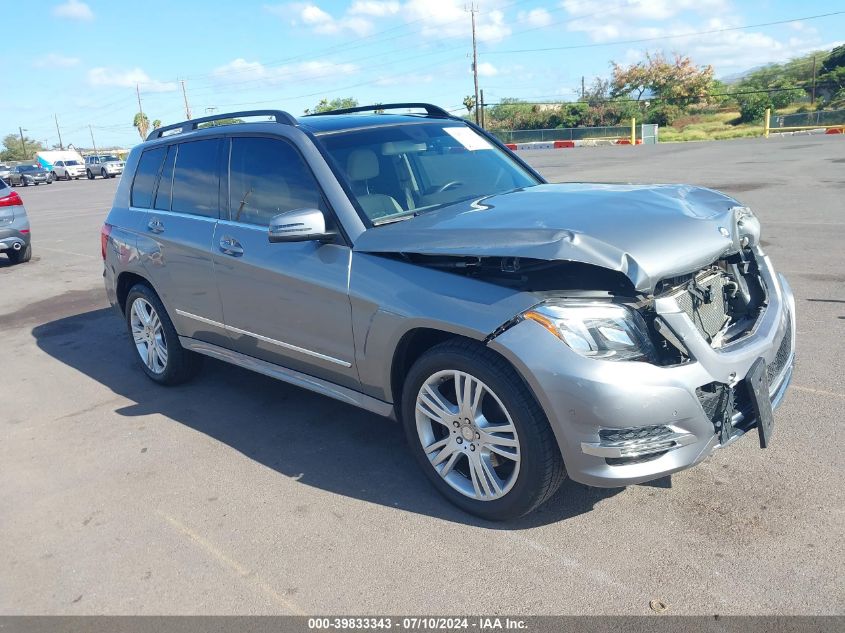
x: 105, y: 165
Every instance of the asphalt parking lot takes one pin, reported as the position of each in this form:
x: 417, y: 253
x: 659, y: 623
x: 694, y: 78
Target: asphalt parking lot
x: 235, y: 494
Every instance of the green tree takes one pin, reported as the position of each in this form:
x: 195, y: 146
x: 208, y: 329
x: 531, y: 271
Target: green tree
x: 469, y: 103
x: 142, y: 124
x: 324, y: 105
x: 13, y: 149
x: 217, y: 122
x: 752, y: 107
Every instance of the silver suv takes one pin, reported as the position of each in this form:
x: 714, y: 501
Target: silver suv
x: 107, y: 166
x: 409, y: 264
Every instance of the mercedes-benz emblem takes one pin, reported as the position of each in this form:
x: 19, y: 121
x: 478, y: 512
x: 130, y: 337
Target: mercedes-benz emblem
x: 724, y: 231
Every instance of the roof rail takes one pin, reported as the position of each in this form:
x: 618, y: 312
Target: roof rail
x: 192, y: 124
x: 430, y: 109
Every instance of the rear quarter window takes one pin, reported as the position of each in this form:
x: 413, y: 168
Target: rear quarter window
x: 149, y: 166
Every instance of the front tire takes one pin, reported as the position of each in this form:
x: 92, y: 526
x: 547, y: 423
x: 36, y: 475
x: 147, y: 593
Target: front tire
x: 155, y: 340
x: 22, y: 256
x: 89, y: 174
x: 478, y: 432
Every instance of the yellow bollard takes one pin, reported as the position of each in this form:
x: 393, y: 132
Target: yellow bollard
x: 766, y: 122
x: 633, y: 130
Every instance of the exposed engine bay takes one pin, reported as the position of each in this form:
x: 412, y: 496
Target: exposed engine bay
x: 723, y: 300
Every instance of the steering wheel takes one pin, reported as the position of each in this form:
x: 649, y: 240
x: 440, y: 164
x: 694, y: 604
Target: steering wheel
x: 449, y: 185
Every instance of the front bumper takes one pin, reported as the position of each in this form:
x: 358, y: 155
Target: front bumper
x: 596, y: 406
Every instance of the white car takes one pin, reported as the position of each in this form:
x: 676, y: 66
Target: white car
x: 67, y: 169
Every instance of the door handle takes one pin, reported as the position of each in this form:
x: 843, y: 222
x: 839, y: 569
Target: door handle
x: 231, y: 246
x: 155, y: 225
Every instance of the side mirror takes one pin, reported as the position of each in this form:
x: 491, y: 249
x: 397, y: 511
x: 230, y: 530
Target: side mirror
x: 299, y: 225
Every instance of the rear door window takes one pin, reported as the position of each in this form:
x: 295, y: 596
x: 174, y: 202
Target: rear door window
x: 145, y: 177
x: 196, y: 180
x: 268, y: 177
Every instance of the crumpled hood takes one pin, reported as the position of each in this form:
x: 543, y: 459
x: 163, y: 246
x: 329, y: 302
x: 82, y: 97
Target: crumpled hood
x: 646, y: 232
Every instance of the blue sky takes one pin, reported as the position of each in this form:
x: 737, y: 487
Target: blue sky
x: 82, y: 59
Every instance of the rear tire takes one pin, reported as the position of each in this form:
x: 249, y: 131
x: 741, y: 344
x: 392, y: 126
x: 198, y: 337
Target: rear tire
x: 22, y: 256
x: 150, y: 326
x: 508, y: 461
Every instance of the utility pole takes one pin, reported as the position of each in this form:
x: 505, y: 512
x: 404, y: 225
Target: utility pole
x: 583, y: 90
x: 482, y: 108
x: 93, y: 142
x: 23, y: 143
x: 185, y: 95
x: 472, y: 12
x: 813, y: 94
x: 138, y: 92
x: 61, y: 145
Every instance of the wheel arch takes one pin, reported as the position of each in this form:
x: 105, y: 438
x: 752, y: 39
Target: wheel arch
x: 417, y: 341
x: 125, y: 281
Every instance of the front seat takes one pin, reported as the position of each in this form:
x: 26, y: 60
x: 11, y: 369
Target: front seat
x: 362, y: 166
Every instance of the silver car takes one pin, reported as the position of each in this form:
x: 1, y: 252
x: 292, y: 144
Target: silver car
x: 15, y: 236
x: 408, y: 263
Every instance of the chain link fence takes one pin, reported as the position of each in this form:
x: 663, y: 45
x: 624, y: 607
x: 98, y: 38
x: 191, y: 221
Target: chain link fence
x: 808, y: 119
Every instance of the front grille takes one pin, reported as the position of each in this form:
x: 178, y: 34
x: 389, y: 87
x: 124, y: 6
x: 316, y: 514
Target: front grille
x: 778, y: 364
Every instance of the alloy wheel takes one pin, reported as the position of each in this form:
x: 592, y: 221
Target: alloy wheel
x: 467, y: 435
x: 148, y: 335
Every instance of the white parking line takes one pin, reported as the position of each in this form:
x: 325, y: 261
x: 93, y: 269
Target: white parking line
x: 234, y: 565
x: 56, y: 250
x: 820, y: 392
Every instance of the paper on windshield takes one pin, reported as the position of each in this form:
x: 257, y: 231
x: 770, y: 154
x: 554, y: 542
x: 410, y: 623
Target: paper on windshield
x: 468, y: 138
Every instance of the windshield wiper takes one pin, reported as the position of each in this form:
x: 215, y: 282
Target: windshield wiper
x: 397, y: 217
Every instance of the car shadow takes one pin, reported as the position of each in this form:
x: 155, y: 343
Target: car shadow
x: 318, y: 441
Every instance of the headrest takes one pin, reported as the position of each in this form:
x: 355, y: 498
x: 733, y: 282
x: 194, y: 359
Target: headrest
x: 362, y: 164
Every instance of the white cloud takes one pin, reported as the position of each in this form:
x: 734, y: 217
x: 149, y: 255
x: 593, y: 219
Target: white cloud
x: 128, y: 79
x: 535, y: 17
x: 73, y: 10
x: 440, y: 19
x: 674, y: 19
x: 374, y: 8
x: 54, y: 60
x: 322, y: 22
x: 486, y: 69
x: 241, y: 70
x: 312, y: 14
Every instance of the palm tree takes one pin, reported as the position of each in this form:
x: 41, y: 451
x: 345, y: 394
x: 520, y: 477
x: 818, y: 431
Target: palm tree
x: 142, y: 124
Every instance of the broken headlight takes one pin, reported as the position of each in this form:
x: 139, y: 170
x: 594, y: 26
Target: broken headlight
x: 605, y: 331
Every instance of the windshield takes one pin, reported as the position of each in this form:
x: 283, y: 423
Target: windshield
x: 401, y: 170
x: 29, y: 168
x: 109, y: 159
x: 71, y: 162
